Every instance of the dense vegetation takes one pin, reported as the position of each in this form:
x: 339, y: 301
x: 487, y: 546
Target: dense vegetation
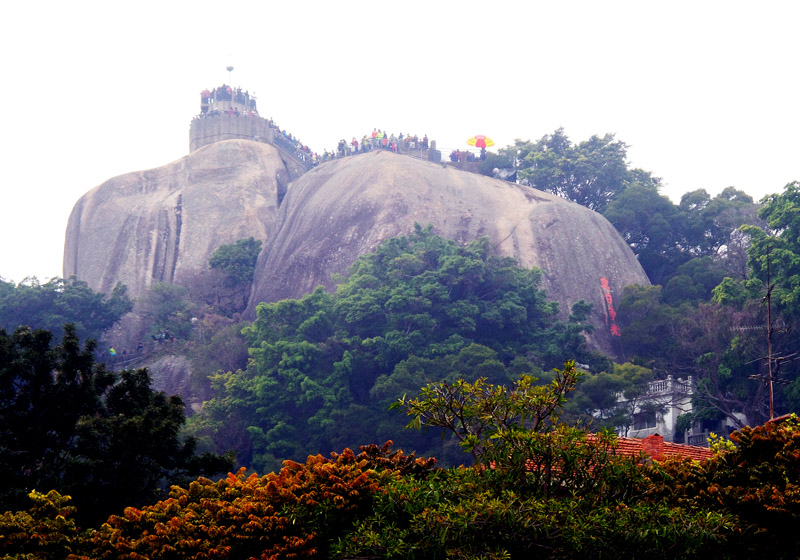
x: 711, y: 260
x: 324, y: 369
x: 481, y: 339
x: 541, y: 490
x: 68, y: 424
x: 51, y: 305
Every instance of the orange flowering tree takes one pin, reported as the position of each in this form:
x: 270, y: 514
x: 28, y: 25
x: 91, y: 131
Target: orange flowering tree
x: 292, y: 514
x: 758, y: 482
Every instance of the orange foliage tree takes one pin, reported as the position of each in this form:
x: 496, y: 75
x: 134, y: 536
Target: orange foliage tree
x: 292, y: 514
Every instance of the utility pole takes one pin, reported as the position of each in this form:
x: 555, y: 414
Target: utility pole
x: 770, y: 329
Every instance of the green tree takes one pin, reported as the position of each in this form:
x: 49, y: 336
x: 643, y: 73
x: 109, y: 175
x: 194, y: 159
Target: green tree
x: 596, y: 400
x: 51, y: 305
x: 693, y: 281
x: 323, y: 367
x: 237, y: 260
x: 654, y: 229
x: 592, y: 173
x: 774, y: 255
x: 168, y: 310
x: 45, y: 531
x: 70, y: 425
x: 757, y: 482
x: 709, y: 222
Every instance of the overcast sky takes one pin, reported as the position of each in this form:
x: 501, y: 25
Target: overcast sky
x: 705, y: 93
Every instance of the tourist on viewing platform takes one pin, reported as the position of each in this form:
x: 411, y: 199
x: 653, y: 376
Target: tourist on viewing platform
x: 354, y: 143
x: 425, y: 142
x: 365, y: 145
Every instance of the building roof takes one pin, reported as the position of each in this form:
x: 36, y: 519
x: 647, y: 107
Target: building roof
x: 658, y: 449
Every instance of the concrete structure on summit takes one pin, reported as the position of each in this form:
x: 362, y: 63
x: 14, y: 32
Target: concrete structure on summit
x: 228, y: 113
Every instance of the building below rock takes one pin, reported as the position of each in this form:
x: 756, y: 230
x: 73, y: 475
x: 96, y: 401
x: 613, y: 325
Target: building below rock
x: 658, y: 409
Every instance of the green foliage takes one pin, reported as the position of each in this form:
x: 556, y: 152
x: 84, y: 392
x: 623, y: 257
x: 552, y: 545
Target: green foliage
x: 219, y: 346
x: 646, y: 322
x: 485, y: 417
x: 324, y: 368
x: 653, y: 227
x: 51, y: 305
x: 167, y: 309
x: 596, y: 398
x: 709, y: 222
x: 721, y: 347
x: 461, y: 513
x: 543, y: 488
x: 238, y: 260
x: 494, y: 161
x: 774, y: 256
x: 592, y: 173
x: 743, y: 503
x: 516, y: 433
x: 70, y: 425
x: 693, y: 282
x: 666, y: 237
x: 696, y: 252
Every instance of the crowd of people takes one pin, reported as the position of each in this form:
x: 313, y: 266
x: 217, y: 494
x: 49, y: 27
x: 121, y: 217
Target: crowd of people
x: 227, y: 93
x: 376, y: 140
x: 212, y: 104
x: 457, y: 156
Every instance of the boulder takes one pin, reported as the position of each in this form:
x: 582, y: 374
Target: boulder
x: 163, y: 224
x: 346, y: 207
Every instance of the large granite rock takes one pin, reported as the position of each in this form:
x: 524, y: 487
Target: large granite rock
x: 346, y: 207
x: 163, y: 224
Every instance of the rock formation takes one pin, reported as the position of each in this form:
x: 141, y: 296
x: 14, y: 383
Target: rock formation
x: 164, y: 224
x: 346, y: 207
x: 158, y: 225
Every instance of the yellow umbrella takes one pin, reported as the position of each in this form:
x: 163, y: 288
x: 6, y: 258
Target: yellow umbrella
x: 480, y: 141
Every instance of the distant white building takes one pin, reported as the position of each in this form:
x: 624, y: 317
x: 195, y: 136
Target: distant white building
x: 657, y: 411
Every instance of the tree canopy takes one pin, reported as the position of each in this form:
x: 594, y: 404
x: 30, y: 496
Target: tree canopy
x: 51, y: 305
x: 324, y: 368
x: 541, y: 490
x: 70, y: 425
x: 237, y: 260
x: 592, y: 173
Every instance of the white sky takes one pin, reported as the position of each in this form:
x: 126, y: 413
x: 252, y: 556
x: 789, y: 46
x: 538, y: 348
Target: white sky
x: 705, y: 93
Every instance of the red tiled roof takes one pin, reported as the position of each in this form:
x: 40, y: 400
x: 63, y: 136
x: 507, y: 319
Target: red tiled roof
x: 653, y: 446
x: 658, y: 449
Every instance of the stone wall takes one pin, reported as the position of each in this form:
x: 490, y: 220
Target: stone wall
x: 208, y: 129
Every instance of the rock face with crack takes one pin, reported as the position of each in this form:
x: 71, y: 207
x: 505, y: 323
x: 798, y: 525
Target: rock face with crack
x: 163, y: 225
